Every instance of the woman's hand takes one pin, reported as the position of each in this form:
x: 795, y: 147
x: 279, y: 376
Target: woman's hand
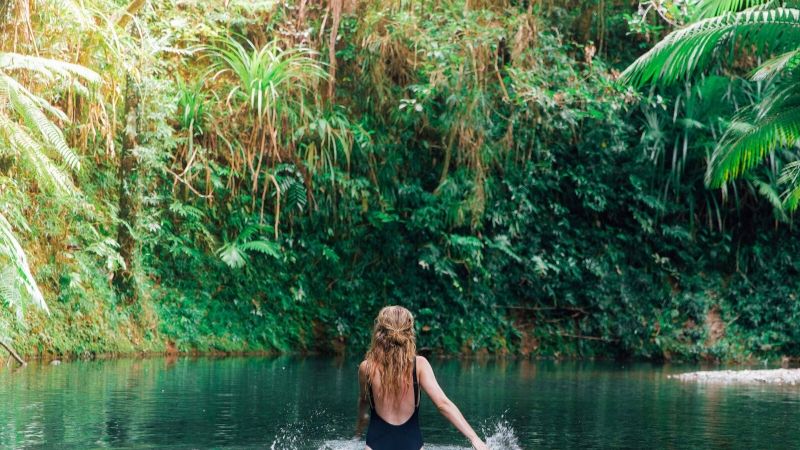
x: 478, y: 444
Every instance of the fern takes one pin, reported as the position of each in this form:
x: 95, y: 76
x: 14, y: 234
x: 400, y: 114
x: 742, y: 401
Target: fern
x: 267, y: 248
x: 17, y: 138
x: 9, y: 291
x: 296, y: 196
x: 186, y: 211
x: 16, y: 275
x: 292, y: 188
x: 232, y: 255
x: 29, y: 131
x: 49, y: 68
x: 235, y: 254
x: 31, y: 113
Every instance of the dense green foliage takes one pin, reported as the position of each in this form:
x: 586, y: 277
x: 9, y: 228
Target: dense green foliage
x: 765, y: 128
x: 259, y: 176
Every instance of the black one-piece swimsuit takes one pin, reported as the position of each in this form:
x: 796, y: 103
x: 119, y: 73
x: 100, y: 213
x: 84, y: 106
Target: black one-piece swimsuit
x: 381, y: 435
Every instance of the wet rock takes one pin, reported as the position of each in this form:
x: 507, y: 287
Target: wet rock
x: 776, y: 376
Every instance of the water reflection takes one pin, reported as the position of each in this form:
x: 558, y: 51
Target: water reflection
x: 299, y: 403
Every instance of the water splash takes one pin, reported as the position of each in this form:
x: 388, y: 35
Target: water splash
x: 500, y: 436
x: 352, y: 444
x: 288, y: 437
x: 503, y: 437
x: 294, y: 435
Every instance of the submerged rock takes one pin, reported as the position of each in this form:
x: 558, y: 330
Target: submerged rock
x: 776, y: 376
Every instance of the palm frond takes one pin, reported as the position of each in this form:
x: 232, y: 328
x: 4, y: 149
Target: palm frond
x: 713, y: 8
x: 790, y: 176
x: 777, y: 65
x: 683, y: 51
x: 745, y: 144
x: 769, y: 192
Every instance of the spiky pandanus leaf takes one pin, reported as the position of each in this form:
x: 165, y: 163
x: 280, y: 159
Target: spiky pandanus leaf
x: 266, y: 74
x: 684, y: 50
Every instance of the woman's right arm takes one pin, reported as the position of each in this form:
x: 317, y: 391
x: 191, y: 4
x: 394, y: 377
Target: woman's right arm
x: 446, y: 407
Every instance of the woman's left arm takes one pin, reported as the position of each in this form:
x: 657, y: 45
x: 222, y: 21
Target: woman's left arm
x: 363, y: 400
x: 447, y: 408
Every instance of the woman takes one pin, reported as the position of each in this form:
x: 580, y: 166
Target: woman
x: 390, y: 377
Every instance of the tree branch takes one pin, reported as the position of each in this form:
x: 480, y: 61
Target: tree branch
x: 13, y: 353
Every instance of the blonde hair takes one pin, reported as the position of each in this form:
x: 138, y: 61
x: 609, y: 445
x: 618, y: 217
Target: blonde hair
x: 392, y: 351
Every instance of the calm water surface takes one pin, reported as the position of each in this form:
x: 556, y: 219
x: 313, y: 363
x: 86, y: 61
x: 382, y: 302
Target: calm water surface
x: 309, y: 403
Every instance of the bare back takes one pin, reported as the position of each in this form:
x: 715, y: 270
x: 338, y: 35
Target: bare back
x: 395, y: 411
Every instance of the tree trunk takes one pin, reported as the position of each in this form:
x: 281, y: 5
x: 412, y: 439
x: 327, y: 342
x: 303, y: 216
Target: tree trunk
x: 336, y: 14
x: 128, y: 194
x: 13, y: 353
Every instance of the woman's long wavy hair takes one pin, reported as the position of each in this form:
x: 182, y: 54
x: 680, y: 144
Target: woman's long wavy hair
x: 392, y: 351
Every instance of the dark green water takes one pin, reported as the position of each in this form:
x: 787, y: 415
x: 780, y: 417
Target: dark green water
x: 309, y: 403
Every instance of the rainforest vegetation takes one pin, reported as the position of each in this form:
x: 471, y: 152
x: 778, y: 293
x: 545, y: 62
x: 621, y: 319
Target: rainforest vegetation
x: 589, y: 178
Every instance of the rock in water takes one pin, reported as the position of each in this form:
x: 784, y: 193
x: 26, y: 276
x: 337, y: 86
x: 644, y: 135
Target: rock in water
x: 776, y: 376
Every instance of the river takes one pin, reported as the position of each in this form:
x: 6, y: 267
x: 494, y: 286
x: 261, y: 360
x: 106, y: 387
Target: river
x: 309, y: 403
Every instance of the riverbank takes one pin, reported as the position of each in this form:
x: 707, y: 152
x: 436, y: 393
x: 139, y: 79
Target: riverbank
x: 504, y: 186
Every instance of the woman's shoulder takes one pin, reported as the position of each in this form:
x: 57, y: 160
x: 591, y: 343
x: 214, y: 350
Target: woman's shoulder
x: 363, y: 372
